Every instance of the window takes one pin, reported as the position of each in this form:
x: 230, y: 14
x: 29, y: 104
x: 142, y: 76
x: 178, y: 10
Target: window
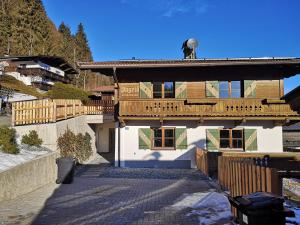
x: 163, y: 138
x: 163, y: 90
x: 230, y: 89
x: 231, y: 138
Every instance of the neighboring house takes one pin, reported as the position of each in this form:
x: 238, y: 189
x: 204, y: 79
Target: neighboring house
x: 38, y: 71
x: 291, y: 133
x: 104, y: 92
x: 167, y: 108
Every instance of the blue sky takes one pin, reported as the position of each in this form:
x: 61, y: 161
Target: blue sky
x: 155, y: 29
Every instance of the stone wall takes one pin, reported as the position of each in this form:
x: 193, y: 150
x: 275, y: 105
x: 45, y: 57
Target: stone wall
x: 28, y: 176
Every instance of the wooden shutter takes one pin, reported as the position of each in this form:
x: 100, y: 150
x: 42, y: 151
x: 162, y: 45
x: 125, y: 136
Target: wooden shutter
x: 180, y: 90
x: 212, y: 139
x: 212, y: 89
x: 250, y: 139
x: 146, y: 90
x: 249, y: 88
x: 181, y: 138
x: 144, y: 138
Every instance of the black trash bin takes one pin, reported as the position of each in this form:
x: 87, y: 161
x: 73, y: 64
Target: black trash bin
x: 66, y: 167
x: 260, y: 208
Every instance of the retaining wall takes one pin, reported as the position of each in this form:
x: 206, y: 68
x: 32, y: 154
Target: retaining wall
x: 28, y: 176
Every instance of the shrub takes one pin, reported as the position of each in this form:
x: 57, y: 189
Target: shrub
x: 67, y: 91
x: 77, y: 146
x: 8, y: 140
x: 32, y: 139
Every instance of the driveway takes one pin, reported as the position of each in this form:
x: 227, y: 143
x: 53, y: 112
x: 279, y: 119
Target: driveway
x: 116, y: 196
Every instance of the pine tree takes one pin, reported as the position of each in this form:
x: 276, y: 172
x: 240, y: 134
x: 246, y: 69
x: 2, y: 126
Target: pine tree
x: 5, y: 27
x: 67, y: 45
x: 82, y: 47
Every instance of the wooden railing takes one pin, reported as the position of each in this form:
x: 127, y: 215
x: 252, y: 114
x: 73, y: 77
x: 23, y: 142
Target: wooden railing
x: 106, y: 106
x: 50, y: 111
x: 204, y: 108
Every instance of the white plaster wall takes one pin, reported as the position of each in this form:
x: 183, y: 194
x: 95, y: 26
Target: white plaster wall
x: 102, y: 140
x: 269, y: 139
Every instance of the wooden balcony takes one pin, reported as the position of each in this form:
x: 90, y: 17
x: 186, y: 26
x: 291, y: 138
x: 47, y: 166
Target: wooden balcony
x: 225, y: 109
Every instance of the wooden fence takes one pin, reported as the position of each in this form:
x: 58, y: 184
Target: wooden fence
x: 52, y: 110
x: 245, y: 173
x: 242, y: 176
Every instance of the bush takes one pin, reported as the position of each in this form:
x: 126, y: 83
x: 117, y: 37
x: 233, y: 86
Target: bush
x: 32, y: 139
x: 77, y: 146
x: 67, y: 91
x: 8, y: 140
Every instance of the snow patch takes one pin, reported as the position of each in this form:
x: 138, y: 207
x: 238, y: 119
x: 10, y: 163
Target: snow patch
x: 210, y: 207
x: 26, y: 154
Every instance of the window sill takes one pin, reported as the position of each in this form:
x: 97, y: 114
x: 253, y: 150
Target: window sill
x: 163, y: 149
x: 232, y: 149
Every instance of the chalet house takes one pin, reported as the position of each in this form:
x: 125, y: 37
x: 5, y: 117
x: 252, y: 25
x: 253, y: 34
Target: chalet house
x: 38, y: 71
x: 165, y: 109
x: 291, y: 133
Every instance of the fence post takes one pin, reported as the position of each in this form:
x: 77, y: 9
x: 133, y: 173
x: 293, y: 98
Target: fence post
x: 13, y: 113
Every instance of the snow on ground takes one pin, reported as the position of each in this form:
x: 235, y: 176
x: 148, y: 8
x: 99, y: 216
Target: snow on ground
x: 292, y: 185
x: 27, y: 153
x: 296, y: 219
x: 210, y: 207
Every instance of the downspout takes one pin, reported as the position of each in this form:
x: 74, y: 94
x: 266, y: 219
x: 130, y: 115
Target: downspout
x: 116, y: 101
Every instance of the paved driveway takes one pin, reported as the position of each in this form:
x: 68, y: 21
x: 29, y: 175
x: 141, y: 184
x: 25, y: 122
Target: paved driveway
x: 106, y: 195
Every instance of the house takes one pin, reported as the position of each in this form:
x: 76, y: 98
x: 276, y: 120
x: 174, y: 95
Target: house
x: 104, y: 92
x: 168, y: 108
x: 38, y: 71
x: 291, y: 133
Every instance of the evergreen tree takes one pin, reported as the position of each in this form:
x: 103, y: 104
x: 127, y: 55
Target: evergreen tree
x: 83, y: 52
x: 5, y: 27
x: 67, y: 45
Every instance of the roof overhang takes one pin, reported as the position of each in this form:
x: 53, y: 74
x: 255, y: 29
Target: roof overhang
x: 54, y: 61
x: 210, y: 69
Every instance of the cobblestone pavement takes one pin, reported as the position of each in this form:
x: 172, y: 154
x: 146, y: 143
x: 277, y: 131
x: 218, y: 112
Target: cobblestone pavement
x: 111, y: 196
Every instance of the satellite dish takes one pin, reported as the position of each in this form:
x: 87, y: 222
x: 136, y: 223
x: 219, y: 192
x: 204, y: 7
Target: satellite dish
x: 192, y: 43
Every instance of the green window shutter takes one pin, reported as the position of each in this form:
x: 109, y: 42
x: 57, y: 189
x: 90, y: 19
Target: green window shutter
x: 250, y: 139
x: 249, y: 88
x: 146, y: 90
x: 144, y: 138
x: 212, y: 89
x: 212, y: 139
x: 180, y: 90
x: 181, y: 138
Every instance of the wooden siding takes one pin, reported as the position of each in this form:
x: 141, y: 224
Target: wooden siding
x: 268, y: 89
x: 272, y: 89
x: 129, y: 91
x: 196, y: 90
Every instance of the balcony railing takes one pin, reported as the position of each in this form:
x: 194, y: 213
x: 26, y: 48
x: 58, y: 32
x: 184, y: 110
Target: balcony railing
x: 205, y: 108
x: 53, y: 110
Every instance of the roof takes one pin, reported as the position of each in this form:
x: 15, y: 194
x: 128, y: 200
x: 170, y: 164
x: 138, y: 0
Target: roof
x: 190, y: 62
x: 54, y: 61
x: 110, y: 88
x: 292, y: 94
x: 293, y: 127
x: 267, y: 68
